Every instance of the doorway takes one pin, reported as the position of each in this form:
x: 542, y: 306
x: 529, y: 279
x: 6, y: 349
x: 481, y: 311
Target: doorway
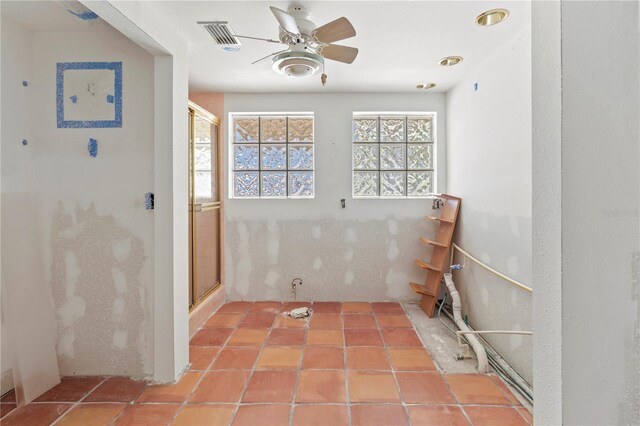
x: 205, y: 207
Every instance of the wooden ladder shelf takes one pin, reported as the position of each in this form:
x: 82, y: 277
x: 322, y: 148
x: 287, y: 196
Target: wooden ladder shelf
x: 441, y: 245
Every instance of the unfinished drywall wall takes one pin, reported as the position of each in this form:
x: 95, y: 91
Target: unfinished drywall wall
x: 95, y: 237
x: 362, y: 252
x: 28, y: 333
x: 489, y: 166
x: 600, y: 202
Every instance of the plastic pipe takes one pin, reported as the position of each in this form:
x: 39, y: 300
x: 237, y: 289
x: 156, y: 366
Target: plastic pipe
x: 456, y: 304
x: 526, y: 333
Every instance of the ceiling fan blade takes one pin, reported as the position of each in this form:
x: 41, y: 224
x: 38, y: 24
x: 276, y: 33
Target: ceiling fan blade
x: 268, y: 56
x: 286, y: 21
x: 339, y: 29
x: 339, y: 53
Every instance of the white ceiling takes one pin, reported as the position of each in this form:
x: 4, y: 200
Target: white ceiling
x: 400, y: 43
x: 48, y: 16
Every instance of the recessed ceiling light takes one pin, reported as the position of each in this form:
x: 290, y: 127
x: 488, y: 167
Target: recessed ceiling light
x: 450, y: 61
x: 426, y: 86
x: 492, y: 17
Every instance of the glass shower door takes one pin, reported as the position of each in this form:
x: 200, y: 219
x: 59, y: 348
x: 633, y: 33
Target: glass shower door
x: 205, y: 204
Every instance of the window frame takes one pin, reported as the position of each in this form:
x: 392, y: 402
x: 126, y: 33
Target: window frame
x: 231, y: 156
x: 404, y: 114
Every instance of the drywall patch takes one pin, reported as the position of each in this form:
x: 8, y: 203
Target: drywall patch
x: 393, y: 251
x: 393, y: 226
x: 243, y: 268
x: 95, y: 265
x: 316, y: 232
x: 348, y: 277
x: 273, y: 241
x: 317, y: 264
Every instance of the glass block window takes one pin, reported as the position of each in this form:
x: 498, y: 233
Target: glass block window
x: 393, y: 156
x: 272, y: 156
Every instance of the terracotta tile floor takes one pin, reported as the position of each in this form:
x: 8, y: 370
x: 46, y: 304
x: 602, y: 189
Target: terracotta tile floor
x: 352, y: 363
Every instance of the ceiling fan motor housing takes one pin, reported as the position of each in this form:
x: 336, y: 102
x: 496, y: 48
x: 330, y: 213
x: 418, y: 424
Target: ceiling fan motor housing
x: 297, y: 63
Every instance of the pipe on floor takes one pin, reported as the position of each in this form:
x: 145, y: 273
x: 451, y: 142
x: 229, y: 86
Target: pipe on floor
x: 481, y: 354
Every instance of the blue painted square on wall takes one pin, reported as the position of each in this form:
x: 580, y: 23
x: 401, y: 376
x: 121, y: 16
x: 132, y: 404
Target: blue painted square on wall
x: 89, y: 94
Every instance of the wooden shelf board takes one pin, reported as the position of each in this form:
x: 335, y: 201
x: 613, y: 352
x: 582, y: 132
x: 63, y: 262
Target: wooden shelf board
x: 433, y: 243
x: 420, y: 289
x: 425, y: 265
x: 439, y: 219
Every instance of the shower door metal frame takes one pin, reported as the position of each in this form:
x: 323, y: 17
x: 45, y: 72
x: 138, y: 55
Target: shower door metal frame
x: 194, y: 206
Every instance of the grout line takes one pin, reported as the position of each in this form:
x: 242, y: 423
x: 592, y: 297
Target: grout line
x: 255, y: 364
x: 393, y: 371
x: 346, y: 370
x: 74, y: 405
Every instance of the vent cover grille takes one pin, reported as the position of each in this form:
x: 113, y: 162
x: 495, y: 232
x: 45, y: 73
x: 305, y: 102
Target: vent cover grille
x: 221, y: 32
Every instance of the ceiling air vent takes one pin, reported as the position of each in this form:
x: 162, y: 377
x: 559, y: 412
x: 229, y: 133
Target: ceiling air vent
x: 221, y: 33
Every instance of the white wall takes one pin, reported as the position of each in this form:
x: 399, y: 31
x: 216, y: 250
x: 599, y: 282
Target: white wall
x: 600, y: 201
x: 489, y: 166
x: 362, y: 252
x: 96, y: 239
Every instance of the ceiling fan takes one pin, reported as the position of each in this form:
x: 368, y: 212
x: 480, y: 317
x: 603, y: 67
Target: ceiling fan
x: 308, y: 46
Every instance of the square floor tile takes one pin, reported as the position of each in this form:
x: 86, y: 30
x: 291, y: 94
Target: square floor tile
x: 387, y: 308
x: 221, y: 386
x: 476, y: 389
x: 393, y: 321
x: 437, y: 415
x: 262, y: 415
x: 35, y: 415
x: 400, y: 337
x: 117, y: 389
x: 378, y: 415
x: 9, y: 396
x: 362, y: 337
x: 147, y: 414
x: 321, y: 386
x: 320, y: 415
x: 323, y: 357
x: 288, y: 306
x: 359, y: 321
x: 70, y: 389
x: 372, y: 386
x: 526, y: 415
x: 6, y: 408
x: 325, y: 337
x: 211, y: 336
x: 424, y: 388
x: 366, y: 358
x: 356, y: 308
x: 326, y: 321
x: 271, y: 386
x: 410, y: 359
x: 287, y: 322
x: 505, y: 389
x: 206, y: 414
x: 277, y: 357
x: 270, y: 307
x: 258, y: 320
x: 327, y: 307
x: 285, y: 337
x: 494, y: 416
x: 236, y: 358
x: 94, y: 414
x: 248, y: 337
x: 201, y: 357
x: 234, y: 307
x: 175, y: 392
x: 224, y: 320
